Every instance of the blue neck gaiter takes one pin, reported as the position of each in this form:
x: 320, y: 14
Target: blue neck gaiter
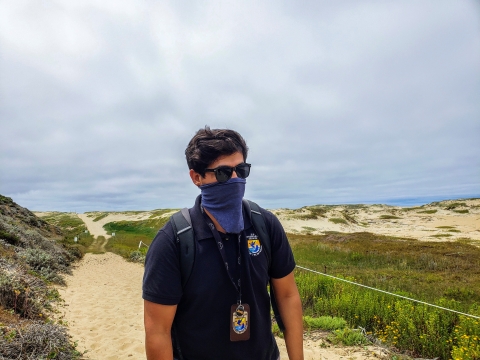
x: 224, y: 202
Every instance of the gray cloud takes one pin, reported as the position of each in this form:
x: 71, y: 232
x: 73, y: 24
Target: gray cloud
x: 339, y: 102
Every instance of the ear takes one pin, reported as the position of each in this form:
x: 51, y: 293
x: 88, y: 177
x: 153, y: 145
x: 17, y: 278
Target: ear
x: 196, y: 177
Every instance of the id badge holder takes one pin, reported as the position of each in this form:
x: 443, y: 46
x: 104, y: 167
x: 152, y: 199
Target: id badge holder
x: 240, y: 322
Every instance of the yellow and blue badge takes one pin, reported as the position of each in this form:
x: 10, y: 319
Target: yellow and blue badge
x: 240, y: 324
x: 254, y: 245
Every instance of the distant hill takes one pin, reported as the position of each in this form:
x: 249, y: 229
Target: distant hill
x: 444, y: 220
x: 31, y: 261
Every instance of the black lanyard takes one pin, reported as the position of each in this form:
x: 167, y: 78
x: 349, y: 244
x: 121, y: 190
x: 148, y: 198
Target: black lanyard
x: 234, y: 279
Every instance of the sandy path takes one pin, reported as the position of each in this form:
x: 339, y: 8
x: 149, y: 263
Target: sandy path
x: 98, y: 245
x: 94, y: 227
x: 104, y: 310
x: 104, y: 307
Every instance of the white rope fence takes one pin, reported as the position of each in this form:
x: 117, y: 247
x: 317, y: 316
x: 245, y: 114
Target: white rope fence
x: 389, y: 293
x: 142, y: 243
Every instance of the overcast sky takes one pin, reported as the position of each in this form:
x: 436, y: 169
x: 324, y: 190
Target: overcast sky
x: 339, y: 101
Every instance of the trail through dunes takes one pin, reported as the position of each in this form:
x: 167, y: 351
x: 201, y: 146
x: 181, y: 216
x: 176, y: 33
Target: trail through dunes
x: 104, y: 307
x: 104, y: 310
x: 98, y: 245
x: 94, y: 227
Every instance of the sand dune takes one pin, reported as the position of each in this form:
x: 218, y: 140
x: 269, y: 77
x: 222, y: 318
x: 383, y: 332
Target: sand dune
x: 426, y: 223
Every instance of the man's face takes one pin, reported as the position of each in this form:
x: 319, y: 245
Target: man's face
x: 227, y: 160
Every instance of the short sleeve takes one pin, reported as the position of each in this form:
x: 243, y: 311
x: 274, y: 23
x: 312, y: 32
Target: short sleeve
x: 162, y: 278
x: 282, y: 261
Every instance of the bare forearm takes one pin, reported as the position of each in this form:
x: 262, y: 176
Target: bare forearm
x: 158, y: 321
x: 158, y: 346
x: 291, y: 312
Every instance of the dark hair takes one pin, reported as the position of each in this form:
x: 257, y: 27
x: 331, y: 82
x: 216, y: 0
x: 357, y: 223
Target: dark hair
x: 208, y: 145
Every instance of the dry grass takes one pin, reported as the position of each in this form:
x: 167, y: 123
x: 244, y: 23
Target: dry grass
x: 37, y: 340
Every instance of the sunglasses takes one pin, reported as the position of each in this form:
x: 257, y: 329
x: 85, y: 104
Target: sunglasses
x: 224, y: 173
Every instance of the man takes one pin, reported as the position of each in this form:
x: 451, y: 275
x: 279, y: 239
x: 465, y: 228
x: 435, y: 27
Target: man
x: 223, y: 311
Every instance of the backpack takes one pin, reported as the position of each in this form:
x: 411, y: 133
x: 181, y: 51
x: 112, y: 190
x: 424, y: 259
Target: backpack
x: 182, y: 227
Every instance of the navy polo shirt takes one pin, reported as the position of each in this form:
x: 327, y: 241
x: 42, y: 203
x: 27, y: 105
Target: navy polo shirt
x: 202, y: 322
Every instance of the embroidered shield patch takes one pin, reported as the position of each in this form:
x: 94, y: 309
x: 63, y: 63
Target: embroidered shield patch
x: 254, y: 247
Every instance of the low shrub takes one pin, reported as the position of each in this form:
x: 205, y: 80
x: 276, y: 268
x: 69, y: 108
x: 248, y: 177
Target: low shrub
x: 32, y: 255
x: 47, y: 265
x: 338, y: 221
x: 427, y: 212
x: 16, y: 293
x: 324, y: 323
x: 137, y: 256
x: 36, y: 341
x: 455, y: 205
x: 9, y: 238
x: 38, y: 259
x: 101, y: 216
x: 74, y: 251
x: 389, y: 217
x: 349, y: 337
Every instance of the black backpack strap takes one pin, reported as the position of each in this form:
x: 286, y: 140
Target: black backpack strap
x: 182, y: 226
x: 258, y: 222
x: 183, y: 230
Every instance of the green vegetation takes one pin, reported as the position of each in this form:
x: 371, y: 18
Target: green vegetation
x: 443, y: 273
x: 411, y: 208
x: 128, y: 235
x: 11, y: 239
x: 98, y: 245
x: 348, y: 337
x: 454, y: 205
x: 323, y: 323
x: 308, y: 212
x: 338, y: 221
x: 441, y: 235
x: 468, y: 241
x: 100, y: 217
x: 43, y: 340
x: 66, y: 221
x: 71, y: 226
x: 448, y: 228
x: 308, y: 230
x: 33, y: 256
x: 160, y: 213
x: 389, y: 217
x: 427, y: 212
x: 465, y: 211
x: 5, y: 200
x: 340, y: 332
